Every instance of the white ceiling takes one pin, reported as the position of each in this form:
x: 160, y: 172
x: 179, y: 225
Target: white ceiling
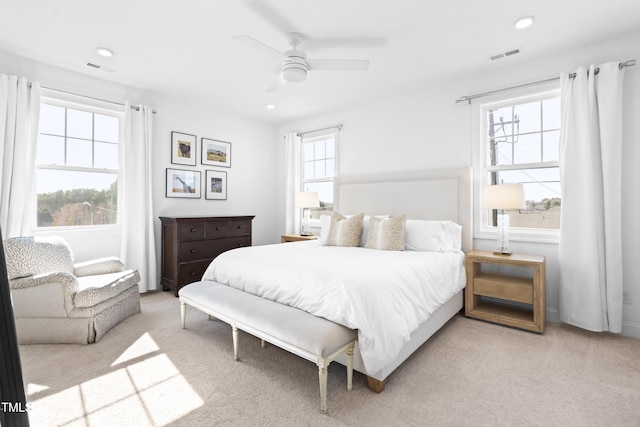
x: 186, y: 48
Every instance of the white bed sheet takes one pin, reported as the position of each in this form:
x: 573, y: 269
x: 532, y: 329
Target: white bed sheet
x: 383, y: 294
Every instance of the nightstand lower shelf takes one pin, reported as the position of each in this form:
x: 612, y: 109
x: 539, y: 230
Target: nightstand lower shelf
x: 517, y: 317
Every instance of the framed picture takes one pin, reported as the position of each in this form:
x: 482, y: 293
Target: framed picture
x: 183, y: 149
x: 216, y: 153
x: 183, y: 184
x: 216, y: 185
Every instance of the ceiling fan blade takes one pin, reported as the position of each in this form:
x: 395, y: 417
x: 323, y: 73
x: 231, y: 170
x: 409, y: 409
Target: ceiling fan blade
x: 258, y: 45
x: 338, y: 64
x: 277, y: 84
x: 272, y: 17
x: 345, y: 42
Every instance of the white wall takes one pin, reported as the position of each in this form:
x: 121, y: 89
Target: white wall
x: 252, y: 177
x: 426, y: 129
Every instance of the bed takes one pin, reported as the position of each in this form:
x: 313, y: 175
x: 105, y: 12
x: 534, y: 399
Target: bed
x: 338, y: 283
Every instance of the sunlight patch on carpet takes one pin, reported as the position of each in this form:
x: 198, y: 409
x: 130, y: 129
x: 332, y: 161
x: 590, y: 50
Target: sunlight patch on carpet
x: 151, y: 392
x: 143, y: 346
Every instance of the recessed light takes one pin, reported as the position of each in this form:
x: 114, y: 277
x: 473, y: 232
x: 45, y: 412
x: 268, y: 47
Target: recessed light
x: 524, y: 22
x: 103, y: 51
x: 270, y: 107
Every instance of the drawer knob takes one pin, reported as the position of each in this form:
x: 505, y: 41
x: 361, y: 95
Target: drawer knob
x: 218, y: 228
x: 193, y: 251
x: 241, y: 227
x: 193, y: 273
x: 193, y: 230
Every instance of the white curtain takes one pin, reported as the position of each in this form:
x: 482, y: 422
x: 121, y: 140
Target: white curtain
x: 590, y: 251
x: 292, y: 165
x: 19, y: 114
x: 138, y: 249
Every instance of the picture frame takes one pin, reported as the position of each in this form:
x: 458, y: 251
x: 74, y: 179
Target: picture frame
x: 215, y: 153
x: 215, y: 185
x: 183, y: 184
x: 183, y: 149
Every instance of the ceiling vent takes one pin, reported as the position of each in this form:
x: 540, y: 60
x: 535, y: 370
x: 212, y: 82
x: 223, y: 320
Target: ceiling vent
x: 100, y: 67
x: 506, y: 54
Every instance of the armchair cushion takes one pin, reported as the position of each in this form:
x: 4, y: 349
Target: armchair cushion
x: 30, y: 256
x: 93, y: 290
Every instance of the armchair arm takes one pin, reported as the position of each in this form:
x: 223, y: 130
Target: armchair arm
x: 53, y: 286
x: 99, y: 266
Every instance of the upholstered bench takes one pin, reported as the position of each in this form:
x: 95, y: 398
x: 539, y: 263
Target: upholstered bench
x: 313, y: 338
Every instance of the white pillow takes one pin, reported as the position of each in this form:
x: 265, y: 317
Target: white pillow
x: 437, y: 236
x: 325, y: 224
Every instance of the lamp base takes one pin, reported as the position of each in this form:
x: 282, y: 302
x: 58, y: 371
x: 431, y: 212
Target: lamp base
x: 502, y: 252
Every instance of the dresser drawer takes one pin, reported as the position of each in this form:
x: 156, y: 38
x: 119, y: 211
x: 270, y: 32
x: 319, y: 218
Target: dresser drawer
x: 199, y: 249
x: 191, y: 231
x: 217, y: 229
x: 239, y: 228
x: 189, y: 272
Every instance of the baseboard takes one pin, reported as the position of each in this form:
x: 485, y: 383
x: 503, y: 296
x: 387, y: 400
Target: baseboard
x: 631, y: 330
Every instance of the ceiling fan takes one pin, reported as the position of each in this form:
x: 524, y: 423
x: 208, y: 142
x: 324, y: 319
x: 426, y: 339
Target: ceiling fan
x: 296, y: 64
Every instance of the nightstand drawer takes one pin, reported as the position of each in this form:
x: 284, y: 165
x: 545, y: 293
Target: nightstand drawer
x: 509, y: 288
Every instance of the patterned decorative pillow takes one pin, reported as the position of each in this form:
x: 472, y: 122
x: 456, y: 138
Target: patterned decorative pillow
x: 344, y: 231
x: 386, y: 234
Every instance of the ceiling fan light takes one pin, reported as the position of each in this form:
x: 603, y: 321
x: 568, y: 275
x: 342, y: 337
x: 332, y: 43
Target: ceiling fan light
x: 294, y: 74
x: 524, y: 22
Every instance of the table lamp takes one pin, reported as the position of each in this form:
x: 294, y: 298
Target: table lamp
x: 305, y: 200
x: 502, y: 197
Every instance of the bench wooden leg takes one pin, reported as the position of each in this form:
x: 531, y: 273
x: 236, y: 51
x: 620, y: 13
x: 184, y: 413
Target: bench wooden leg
x: 183, y: 312
x: 350, y: 367
x: 235, y: 343
x: 322, y: 373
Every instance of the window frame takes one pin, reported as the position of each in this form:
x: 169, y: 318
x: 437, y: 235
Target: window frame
x: 313, y: 137
x: 94, y: 106
x: 481, y: 228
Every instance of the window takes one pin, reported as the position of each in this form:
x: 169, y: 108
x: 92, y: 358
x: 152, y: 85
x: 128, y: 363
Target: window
x: 521, y: 144
x: 76, y: 165
x: 319, y: 166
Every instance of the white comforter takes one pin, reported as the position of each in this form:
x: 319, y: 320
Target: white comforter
x: 383, y: 294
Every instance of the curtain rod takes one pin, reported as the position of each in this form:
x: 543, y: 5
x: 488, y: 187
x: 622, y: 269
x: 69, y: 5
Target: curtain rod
x: 135, y: 107
x: 338, y: 126
x: 468, y: 98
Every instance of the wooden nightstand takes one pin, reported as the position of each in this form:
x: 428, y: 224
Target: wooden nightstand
x: 506, y: 287
x: 295, y: 238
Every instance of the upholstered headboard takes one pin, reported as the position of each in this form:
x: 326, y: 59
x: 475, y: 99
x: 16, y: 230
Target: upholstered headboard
x: 438, y: 194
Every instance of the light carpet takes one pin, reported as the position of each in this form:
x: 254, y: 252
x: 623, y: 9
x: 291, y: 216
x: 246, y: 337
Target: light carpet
x: 147, y: 371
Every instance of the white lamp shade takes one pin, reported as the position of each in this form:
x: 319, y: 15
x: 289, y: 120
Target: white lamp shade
x: 307, y: 199
x: 503, y: 196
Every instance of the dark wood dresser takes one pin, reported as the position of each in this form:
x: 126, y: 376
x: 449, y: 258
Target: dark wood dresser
x: 189, y: 244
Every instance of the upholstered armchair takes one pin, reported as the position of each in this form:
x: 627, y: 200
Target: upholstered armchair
x: 57, y: 301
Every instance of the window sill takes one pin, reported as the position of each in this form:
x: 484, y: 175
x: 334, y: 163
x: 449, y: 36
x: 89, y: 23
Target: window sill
x: 540, y: 236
